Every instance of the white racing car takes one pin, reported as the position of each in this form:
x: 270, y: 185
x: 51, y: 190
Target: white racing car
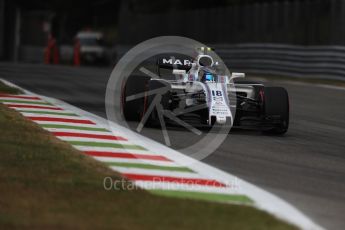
x: 199, y: 90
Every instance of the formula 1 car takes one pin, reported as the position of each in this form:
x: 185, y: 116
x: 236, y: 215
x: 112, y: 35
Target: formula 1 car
x: 198, y: 87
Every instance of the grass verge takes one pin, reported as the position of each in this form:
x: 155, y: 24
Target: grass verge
x: 46, y: 184
x: 6, y: 89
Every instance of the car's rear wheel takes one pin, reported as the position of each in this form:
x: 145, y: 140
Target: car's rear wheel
x: 133, y: 109
x: 153, y: 120
x: 276, y: 110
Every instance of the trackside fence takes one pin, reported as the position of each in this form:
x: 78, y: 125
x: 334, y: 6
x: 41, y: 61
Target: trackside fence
x: 288, y: 60
x: 327, y: 62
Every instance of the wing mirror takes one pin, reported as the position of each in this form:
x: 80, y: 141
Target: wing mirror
x: 237, y: 75
x: 179, y: 71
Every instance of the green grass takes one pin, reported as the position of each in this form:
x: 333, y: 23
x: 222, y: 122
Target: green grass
x: 6, y: 89
x: 204, y: 196
x: 46, y: 184
x: 150, y: 166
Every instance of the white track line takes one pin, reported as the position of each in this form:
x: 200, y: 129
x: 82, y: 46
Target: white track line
x: 60, y: 115
x: 109, y: 149
x: 186, y: 187
x: 136, y: 161
x: 16, y: 104
x: 53, y: 116
x: 156, y: 172
x: 79, y: 131
x: 23, y: 110
x: 21, y: 99
x: 87, y: 139
x: 67, y: 123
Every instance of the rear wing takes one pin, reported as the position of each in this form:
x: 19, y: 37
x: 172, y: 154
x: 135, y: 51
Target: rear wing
x: 175, y: 62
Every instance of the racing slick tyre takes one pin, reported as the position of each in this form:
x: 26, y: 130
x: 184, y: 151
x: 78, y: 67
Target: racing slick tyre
x: 133, y: 110
x: 153, y: 120
x: 276, y: 110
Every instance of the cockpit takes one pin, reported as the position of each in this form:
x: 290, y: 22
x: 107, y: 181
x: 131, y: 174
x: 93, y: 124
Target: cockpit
x: 207, y: 75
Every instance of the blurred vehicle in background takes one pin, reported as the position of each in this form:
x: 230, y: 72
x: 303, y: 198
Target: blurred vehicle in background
x: 92, y: 48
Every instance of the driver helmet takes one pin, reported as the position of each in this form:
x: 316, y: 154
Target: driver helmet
x: 207, y: 75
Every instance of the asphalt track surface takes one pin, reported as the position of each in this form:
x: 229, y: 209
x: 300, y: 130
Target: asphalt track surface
x: 306, y: 166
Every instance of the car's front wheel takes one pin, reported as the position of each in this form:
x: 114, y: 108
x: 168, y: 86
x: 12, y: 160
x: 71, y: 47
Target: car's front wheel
x: 276, y: 110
